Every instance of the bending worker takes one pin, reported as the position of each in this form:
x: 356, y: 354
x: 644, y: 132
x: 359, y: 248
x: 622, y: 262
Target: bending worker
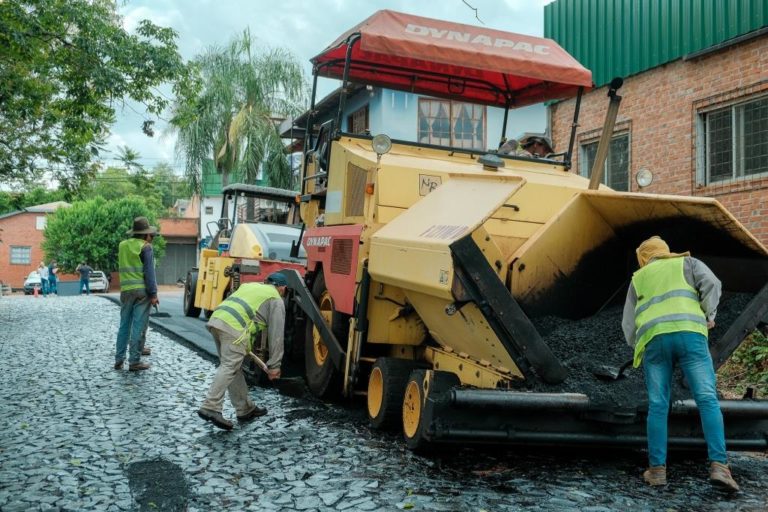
x: 234, y: 325
x: 671, y: 304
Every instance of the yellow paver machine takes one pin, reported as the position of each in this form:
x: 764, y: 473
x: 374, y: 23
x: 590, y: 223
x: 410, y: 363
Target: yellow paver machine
x: 450, y: 286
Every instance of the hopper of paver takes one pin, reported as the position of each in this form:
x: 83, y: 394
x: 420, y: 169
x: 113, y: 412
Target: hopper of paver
x: 481, y: 277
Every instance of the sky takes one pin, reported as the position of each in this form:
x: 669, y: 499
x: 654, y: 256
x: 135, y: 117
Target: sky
x: 303, y: 26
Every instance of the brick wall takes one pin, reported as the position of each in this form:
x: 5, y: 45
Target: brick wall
x: 659, y: 110
x: 19, y: 230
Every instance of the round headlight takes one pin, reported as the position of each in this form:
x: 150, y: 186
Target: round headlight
x: 644, y: 177
x: 381, y: 144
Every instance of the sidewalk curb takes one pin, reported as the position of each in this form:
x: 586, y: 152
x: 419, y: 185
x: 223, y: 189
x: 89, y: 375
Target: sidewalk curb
x: 157, y: 325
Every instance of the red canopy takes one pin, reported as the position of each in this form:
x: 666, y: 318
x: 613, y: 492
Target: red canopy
x: 451, y: 60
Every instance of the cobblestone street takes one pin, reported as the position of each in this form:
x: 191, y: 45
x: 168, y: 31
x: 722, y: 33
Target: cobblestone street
x: 75, y: 434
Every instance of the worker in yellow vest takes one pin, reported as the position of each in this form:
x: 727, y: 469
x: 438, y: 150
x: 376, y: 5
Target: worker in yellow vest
x: 138, y: 292
x: 234, y: 325
x: 671, y: 304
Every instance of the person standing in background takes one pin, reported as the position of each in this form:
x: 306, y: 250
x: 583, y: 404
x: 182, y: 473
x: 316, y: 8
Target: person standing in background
x: 43, y: 271
x: 85, y: 276
x: 53, y: 269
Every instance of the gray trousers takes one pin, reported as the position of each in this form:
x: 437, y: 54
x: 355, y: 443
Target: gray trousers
x: 229, y: 375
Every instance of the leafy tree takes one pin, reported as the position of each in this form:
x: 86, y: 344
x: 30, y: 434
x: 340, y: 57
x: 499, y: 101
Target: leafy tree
x: 64, y: 67
x: 37, y: 194
x: 228, y: 112
x: 91, y: 231
x: 111, y: 184
x: 168, y: 185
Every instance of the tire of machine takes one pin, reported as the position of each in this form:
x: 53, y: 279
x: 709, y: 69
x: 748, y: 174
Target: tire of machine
x: 386, y: 389
x: 419, y: 385
x: 190, y: 289
x: 323, y: 379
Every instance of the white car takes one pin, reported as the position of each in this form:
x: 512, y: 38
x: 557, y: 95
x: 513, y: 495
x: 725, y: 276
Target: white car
x: 32, y: 281
x: 98, y: 282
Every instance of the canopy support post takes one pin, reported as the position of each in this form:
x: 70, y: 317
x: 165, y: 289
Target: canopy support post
x: 344, y: 81
x: 574, y: 125
x: 504, y: 125
x: 308, y: 130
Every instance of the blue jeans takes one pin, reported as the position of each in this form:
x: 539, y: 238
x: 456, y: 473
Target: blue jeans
x: 85, y: 283
x: 52, y: 286
x: 134, y: 316
x: 44, y: 286
x: 690, y: 351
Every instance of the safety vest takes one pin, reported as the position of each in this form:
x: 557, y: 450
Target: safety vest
x: 238, y: 310
x: 130, y: 266
x: 666, y: 303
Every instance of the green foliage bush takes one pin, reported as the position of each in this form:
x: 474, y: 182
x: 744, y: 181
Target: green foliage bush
x: 91, y: 230
x: 748, y: 366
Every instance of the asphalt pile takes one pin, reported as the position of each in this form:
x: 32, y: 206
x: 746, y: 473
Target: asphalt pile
x: 587, y: 344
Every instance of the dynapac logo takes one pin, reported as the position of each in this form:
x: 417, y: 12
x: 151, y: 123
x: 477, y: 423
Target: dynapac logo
x: 318, y: 241
x: 480, y: 39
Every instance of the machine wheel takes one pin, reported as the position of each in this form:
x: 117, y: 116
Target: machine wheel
x: 190, y: 288
x: 386, y: 390
x: 323, y: 379
x: 420, y: 384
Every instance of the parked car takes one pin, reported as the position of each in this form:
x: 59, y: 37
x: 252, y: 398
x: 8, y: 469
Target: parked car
x: 98, y: 281
x: 32, y: 281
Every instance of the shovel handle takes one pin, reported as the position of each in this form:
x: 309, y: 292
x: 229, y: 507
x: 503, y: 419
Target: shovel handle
x: 259, y: 362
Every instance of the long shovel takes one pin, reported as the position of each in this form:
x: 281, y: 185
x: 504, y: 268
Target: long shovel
x: 158, y: 314
x: 611, y: 373
x: 293, y: 387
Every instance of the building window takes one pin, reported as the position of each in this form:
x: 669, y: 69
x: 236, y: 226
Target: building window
x: 733, y: 142
x: 616, y: 170
x: 450, y: 123
x: 40, y: 223
x: 357, y: 121
x: 21, y: 255
x: 209, y: 210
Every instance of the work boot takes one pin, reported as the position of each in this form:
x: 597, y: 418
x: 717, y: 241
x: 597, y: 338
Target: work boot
x: 655, y: 475
x: 119, y: 365
x: 720, y: 475
x: 137, y: 367
x: 146, y: 351
x: 216, y: 418
x: 252, y: 415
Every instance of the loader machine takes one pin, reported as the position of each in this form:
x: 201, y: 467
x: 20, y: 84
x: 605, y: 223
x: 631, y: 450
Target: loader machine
x: 428, y: 266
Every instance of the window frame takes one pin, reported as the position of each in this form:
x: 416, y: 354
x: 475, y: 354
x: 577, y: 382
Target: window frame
x: 363, y: 112
x: 451, y: 119
x: 16, y: 247
x: 703, y: 135
x: 584, y: 169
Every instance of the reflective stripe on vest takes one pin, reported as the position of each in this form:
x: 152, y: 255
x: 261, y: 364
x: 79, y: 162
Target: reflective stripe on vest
x: 130, y: 266
x: 239, y: 309
x: 666, y: 303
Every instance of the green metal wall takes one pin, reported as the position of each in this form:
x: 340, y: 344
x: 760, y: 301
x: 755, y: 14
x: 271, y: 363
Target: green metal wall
x: 624, y: 37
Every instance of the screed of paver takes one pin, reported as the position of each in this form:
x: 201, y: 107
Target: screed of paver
x: 71, y: 427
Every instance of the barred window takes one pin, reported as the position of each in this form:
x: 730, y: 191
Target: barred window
x: 732, y: 142
x: 357, y: 121
x: 616, y: 170
x: 21, y: 255
x: 450, y: 123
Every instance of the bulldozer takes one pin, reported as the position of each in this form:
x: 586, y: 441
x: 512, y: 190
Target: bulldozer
x: 256, y: 234
x: 429, y: 267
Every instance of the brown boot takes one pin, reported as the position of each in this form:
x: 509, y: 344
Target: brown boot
x: 137, y: 367
x: 655, y: 475
x: 720, y: 475
x: 146, y: 351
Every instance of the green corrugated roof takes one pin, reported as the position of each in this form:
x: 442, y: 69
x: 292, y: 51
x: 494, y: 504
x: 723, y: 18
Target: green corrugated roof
x: 624, y: 37
x: 211, y: 180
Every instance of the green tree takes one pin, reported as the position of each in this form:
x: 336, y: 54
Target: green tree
x: 111, y: 184
x: 168, y: 185
x: 91, y: 231
x: 228, y: 113
x: 33, y: 195
x: 64, y: 67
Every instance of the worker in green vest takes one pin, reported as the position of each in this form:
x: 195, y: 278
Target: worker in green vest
x: 671, y: 304
x: 234, y: 324
x: 138, y: 292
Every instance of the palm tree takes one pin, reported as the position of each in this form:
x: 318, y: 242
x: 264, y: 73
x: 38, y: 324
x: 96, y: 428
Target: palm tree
x: 229, y: 114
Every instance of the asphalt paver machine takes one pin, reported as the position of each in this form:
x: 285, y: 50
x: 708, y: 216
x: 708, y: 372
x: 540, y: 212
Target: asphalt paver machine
x: 427, y: 264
